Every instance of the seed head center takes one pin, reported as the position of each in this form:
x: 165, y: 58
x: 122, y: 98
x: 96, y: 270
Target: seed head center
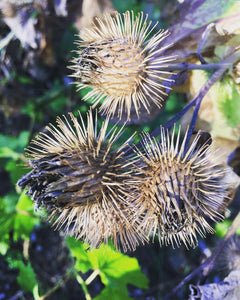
x: 120, y: 65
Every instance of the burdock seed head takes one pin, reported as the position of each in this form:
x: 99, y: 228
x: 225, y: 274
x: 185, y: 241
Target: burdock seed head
x: 181, y: 187
x: 81, y: 180
x: 122, y: 64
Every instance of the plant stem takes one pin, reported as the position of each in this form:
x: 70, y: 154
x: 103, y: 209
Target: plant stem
x: 84, y: 287
x: 227, y: 63
x: 207, y: 266
x: 92, y: 277
x: 222, y: 67
x: 58, y: 285
x: 185, y: 66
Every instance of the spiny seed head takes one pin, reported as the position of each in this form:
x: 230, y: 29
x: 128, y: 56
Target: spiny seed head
x: 123, y: 65
x: 81, y: 180
x: 182, y: 186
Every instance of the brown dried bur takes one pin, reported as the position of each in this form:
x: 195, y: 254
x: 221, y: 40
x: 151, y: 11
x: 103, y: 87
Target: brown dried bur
x: 122, y: 65
x: 182, y: 185
x: 81, y: 180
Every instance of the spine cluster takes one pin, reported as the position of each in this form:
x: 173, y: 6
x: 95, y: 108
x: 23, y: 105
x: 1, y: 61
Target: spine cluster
x: 97, y: 188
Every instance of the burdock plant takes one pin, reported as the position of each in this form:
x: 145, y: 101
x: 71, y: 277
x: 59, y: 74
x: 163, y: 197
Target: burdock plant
x: 182, y: 186
x: 97, y: 190
x: 81, y: 180
x: 123, y: 65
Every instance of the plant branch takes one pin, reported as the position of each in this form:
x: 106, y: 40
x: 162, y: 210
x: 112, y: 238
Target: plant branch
x: 92, y: 277
x: 84, y: 287
x: 185, y: 66
x: 222, y: 67
x: 208, y: 264
x: 57, y: 286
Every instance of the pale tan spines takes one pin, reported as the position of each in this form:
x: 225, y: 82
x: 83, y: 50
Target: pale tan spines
x: 82, y: 181
x: 182, y: 186
x: 122, y: 64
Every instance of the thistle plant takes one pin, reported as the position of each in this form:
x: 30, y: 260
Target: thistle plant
x: 123, y: 65
x: 182, y: 186
x: 82, y: 181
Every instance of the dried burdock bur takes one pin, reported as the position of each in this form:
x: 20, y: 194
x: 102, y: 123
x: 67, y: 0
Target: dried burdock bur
x: 182, y: 186
x: 81, y: 178
x: 123, y: 66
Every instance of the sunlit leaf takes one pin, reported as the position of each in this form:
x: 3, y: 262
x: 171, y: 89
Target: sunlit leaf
x: 4, y: 246
x: 16, y: 169
x: 6, y: 218
x: 78, y: 250
x: 26, y: 278
x: 15, y: 143
x: 212, y: 115
x: 222, y: 228
x: 116, y: 270
x: 24, y: 220
x: 6, y: 152
x: 229, y: 101
x: 10, y: 202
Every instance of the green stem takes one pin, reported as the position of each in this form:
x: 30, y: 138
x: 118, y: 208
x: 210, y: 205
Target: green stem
x: 84, y: 287
x: 92, y: 277
x: 57, y: 286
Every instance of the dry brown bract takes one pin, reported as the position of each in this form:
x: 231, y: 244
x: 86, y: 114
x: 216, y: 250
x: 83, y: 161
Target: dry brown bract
x: 81, y: 181
x: 122, y: 64
x: 182, y: 186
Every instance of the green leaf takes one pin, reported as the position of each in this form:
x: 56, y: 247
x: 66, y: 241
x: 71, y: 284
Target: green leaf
x: 10, y: 201
x: 25, y: 80
x: 6, y: 217
x: 26, y: 278
x: 24, y: 220
x: 116, y: 270
x: 4, y: 245
x: 206, y: 11
x: 229, y: 101
x: 6, y: 152
x: 16, y: 170
x: 78, y: 250
x: 15, y: 143
x: 118, y: 293
x: 222, y: 228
